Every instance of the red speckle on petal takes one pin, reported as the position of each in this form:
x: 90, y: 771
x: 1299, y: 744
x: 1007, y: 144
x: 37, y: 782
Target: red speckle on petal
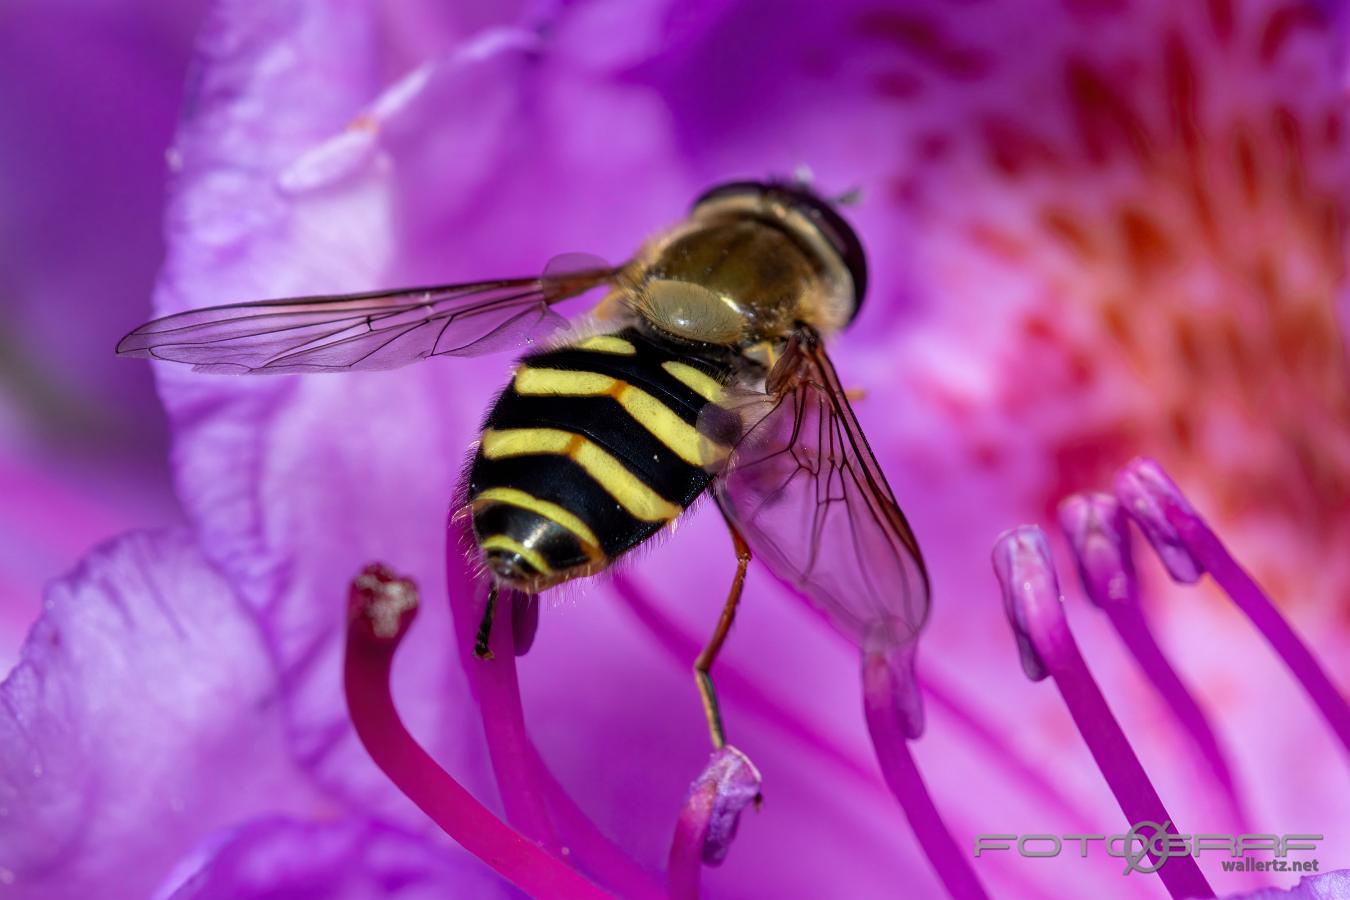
x: 1182, y: 90
x: 987, y: 456
x: 1082, y: 372
x: 1330, y: 223
x: 1086, y: 460
x: 1188, y: 346
x: 1037, y: 327
x: 1014, y: 149
x: 1281, y: 25
x: 924, y: 40
x: 1119, y: 329
x: 1266, y: 276
x: 1070, y: 230
x: 1333, y: 128
x: 1244, y: 159
x: 1221, y: 21
x: 1182, y: 429
x: 1147, y: 247
x: 906, y: 193
x: 1197, y: 197
x: 1104, y: 118
x: 998, y: 243
x: 933, y: 147
x: 1290, y: 135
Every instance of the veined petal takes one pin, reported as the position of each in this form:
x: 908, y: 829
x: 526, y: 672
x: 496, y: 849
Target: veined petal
x: 345, y: 859
x: 141, y: 716
x: 293, y: 483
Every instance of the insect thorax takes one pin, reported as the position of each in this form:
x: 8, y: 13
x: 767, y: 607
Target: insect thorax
x: 736, y: 281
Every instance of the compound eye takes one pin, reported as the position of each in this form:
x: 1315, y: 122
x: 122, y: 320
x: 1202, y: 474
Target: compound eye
x: 841, y: 236
x: 850, y: 248
x: 691, y: 312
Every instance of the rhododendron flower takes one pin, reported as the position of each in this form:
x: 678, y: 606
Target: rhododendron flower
x: 1096, y: 228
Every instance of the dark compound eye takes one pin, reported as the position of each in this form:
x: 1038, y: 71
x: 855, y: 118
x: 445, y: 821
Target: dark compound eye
x: 820, y: 211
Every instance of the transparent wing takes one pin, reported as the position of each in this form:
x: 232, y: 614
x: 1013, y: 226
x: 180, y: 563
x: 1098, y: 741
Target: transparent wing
x: 807, y: 494
x: 380, y: 330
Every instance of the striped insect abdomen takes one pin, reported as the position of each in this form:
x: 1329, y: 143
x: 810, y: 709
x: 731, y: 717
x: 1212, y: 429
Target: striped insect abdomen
x: 592, y: 449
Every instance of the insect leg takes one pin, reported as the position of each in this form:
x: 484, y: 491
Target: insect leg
x: 703, y: 665
x: 480, y: 646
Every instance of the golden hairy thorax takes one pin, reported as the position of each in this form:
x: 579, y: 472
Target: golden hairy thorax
x: 737, y: 279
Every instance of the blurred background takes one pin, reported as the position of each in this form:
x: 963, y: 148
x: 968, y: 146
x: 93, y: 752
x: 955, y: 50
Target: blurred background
x: 89, y: 94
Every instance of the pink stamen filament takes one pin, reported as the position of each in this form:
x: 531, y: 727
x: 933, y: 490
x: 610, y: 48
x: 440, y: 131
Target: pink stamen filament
x: 1116, y: 759
x: 1176, y: 529
x: 1026, y: 572
x: 532, y: 797
x: 382, y: 732
x: 1098, y: 533
x: 1134, y: 632
x: 684, y: 868
x: 496, y: 685
x: 880, y: 704
x: 1210, y: 552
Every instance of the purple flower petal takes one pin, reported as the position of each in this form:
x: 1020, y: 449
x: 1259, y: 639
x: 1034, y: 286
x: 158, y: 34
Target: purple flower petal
x: 141, y: 716
x: 293, y: 484
x: 347, y: 859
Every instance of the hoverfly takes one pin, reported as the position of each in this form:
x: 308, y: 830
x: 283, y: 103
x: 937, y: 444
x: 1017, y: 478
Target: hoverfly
x: 704, y: 366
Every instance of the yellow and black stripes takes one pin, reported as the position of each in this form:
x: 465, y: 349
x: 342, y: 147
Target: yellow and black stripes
x: 591, y: 450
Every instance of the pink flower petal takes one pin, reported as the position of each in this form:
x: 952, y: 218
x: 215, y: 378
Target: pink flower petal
x: 141, y: 716
x: 347, y: 859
